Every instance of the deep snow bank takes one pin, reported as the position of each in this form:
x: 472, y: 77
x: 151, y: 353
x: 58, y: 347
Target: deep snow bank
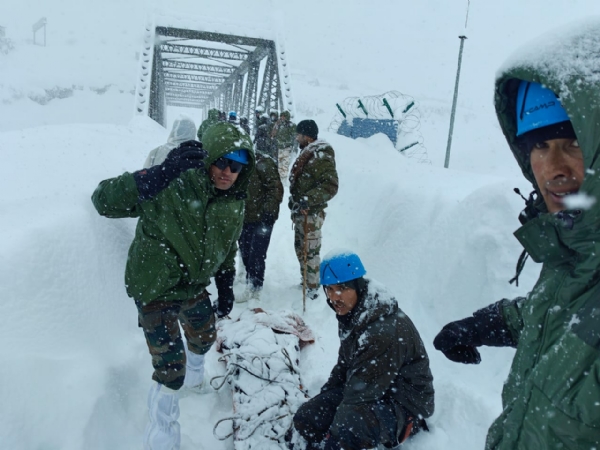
x: 79, y: 368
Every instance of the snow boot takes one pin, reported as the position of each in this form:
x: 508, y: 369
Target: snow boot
x: 240, y: 275
x: 162, y: 430
x: 251, y: 293
x: 194, y: 371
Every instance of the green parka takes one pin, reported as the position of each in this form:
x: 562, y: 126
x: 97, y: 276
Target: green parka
x: 188, y: 232
x: 381, y: 356
x: 313, y: 177
x: 213, y: 117
x: 265, y: 190
x: 551, y: 398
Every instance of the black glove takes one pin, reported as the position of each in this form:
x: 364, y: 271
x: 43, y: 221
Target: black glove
x: 458, y: 340
x: 188, y: 155
x: 268, y: 219
x: 224, y: 282
x: 302, y: 204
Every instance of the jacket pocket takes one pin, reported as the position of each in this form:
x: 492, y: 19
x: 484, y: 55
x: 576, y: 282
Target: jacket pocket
x: 568, y: 376
x: 151, y: 272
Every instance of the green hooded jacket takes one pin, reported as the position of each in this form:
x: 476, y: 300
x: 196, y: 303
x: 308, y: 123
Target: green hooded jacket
x: 188, y: 231
x: 551, y: 398
x: 213, y: 117
x: 265, y: 190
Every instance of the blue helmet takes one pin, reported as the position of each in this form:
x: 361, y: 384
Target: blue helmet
x: 537, y: 107
x: 340, y: 267
x: 240, y: 156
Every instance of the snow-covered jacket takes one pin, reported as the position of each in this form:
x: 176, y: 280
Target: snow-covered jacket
x: 313, y: 177
x: 382, y: 355
x: 184, y: 129
x: 551, y: 398
x: 188, y: 231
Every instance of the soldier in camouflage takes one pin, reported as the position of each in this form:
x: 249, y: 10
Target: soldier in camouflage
x: 313, y: 182
x: 285, y: 140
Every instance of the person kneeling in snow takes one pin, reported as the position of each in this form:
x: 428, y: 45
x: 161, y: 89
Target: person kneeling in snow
x: 190, y: 210
x: 547, y: 105
x: 381, y: 389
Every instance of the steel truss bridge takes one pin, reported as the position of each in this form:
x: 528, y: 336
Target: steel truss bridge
x: 202, y: 69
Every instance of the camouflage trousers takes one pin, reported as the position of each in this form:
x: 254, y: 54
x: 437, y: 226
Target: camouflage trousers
x: 160, y: 322
x: 326, y: 422
x: 313, y: 236
x: 283, y: 165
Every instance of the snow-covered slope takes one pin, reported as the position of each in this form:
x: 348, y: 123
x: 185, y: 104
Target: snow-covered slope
x: 75, y: 366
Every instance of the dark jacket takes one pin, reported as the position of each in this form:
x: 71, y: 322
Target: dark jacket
x: 551, y: 398
x: 185, y: 234
x: 382, y: 356
x: 313, y: 177
x: 263, y: 140
x: 265, y: 191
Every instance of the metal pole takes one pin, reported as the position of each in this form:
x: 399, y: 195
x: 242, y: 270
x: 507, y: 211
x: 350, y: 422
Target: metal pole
x: 453, y: 113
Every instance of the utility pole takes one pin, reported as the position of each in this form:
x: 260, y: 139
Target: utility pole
x: 453, y: 113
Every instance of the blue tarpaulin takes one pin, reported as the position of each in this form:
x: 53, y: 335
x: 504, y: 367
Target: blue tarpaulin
x: 365, y: 128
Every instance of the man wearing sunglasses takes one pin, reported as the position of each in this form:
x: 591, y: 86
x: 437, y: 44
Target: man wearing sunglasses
x: 191, y: 211
x: 547, y: 103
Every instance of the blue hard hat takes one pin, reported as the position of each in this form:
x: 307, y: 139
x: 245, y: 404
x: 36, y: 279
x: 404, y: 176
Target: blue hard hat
x: 340, y: 267
x: 537, y: 107
x: 232, y: 114
x: 240, y: 156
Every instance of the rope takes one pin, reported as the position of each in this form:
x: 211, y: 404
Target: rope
x: 255, y: 420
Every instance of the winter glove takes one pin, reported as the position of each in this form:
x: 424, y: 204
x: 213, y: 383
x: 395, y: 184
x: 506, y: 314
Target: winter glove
x: 458, y: 340
x: 188, y: 155
x: 268, y: 219
x: 224, y: 282
x: 303, y: 204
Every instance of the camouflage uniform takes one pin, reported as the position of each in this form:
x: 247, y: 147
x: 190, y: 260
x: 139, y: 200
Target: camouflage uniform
x: 160, y: 322
x: 164, y: 273
x: 285, y: 134
x: 313, y: 182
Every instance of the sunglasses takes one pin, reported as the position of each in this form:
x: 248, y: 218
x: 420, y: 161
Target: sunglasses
x: 224, y: 163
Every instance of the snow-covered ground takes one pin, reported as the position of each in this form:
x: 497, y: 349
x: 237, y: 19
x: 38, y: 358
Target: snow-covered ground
x: 75, y: 368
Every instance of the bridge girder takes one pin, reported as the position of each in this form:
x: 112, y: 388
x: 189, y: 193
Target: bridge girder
x: 208, y: 75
